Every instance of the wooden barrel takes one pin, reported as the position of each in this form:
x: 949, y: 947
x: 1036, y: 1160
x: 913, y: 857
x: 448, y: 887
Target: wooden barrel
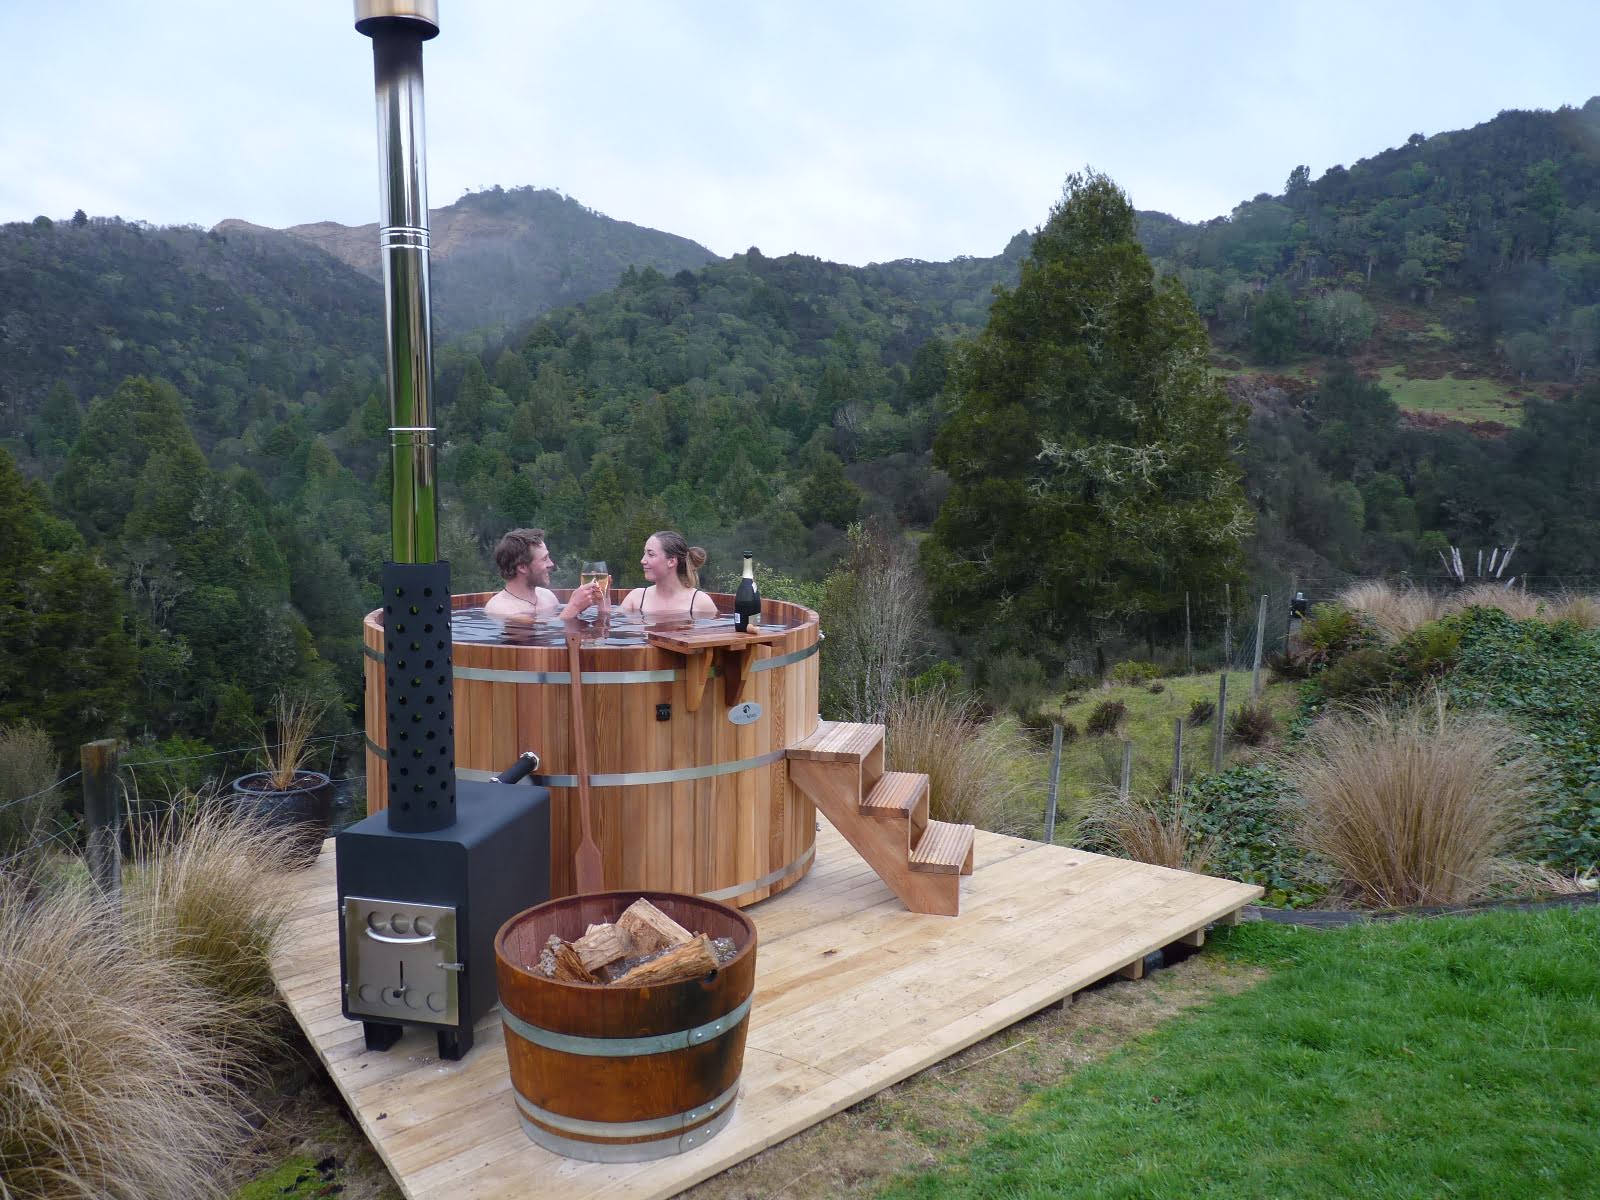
x: 683, y: 801
x: 623, y: 1074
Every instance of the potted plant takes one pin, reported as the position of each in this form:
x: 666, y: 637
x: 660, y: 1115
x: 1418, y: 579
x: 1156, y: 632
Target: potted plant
x: 287, y: 792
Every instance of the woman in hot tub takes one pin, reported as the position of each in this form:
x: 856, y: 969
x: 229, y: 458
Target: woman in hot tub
x: 672, y: 581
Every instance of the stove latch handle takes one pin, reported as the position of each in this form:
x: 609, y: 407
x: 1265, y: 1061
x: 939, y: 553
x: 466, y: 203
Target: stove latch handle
x: 527, y: 763
x: 398, y: 941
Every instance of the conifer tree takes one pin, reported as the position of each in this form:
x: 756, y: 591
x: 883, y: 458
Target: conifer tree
x: 1088, y: 447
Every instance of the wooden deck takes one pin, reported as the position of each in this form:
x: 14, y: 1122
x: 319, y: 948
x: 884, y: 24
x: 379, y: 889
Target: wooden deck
x: 853, y: 993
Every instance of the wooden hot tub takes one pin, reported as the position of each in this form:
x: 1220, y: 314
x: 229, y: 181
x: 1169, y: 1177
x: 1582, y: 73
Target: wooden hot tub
x: 694, y: 803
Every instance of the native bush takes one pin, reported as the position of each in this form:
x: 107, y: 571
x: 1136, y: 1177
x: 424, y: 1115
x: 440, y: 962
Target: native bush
x: 1359, y: 674
x: 1246, y: 817
x: 1015, y: 682
x: 1542, y: 677
x: 1133, y: 672
x: 1330, y: 631
x: 1201, y: 711
x: 1153, y: 828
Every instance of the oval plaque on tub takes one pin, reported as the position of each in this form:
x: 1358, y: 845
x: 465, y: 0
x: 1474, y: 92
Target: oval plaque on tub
x: 747, y: 713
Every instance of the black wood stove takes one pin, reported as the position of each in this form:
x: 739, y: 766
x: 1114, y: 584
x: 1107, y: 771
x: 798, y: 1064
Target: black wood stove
x: 424, y: 885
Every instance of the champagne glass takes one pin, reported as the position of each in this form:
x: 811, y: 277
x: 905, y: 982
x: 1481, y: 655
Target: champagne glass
x: 599, y: 574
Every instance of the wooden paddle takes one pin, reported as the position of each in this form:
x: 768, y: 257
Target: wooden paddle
x: 587, y: 864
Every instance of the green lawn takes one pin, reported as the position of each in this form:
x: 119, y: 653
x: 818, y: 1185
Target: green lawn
x: 1457, y: 399
x: 1090, y: 764
x: 1453, y: 1057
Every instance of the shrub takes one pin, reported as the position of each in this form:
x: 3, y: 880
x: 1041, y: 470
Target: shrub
x: 1412, y: 806
x: 970, y: 765
x: 1069, y: 733
x: 1106, y: 717
x: 1361, y: 674
x: 110, y: 1083
x: 1330, y: 632
x: 1251, y: 724
x: 1428, y: 653
x: 1134, y: 672
x: 1016, y: 683
x: 1201, y: 711
x: 1039, y: 724
x: 208, y: 897
x: 1155, y: 689
x: 941, y: 677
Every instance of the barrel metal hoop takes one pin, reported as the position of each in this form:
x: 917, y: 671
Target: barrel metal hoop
x: 596, y: 1047
x: 783, y: 660
x: 624, y: 1152
x: 622, y: 1129
x: 738, y: 889
x: 491, y: 675
x: 639, y: 778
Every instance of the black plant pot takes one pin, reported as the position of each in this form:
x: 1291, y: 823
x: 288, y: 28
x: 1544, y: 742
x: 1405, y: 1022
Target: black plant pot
x: 306, y: 807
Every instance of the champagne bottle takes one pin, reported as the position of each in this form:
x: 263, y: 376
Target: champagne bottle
x: 747, y: 601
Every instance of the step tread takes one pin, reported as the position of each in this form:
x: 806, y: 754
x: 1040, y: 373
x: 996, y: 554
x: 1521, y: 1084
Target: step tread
x: 895, y: 793
x: 943, y: 847
x: 839, y: 741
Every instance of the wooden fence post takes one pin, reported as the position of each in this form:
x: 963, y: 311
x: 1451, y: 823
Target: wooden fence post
x: 1188, y: 640
x: 1227, y: 626
x: 1126, y: 785
x: 103, y: 815
x: 1055, y: 780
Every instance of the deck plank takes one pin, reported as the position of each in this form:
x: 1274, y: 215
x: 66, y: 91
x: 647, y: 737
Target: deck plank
x: 853, y: 993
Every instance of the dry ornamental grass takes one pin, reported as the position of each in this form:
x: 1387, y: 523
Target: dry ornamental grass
x: 1396, y: 612
x: 1414, y: 806
x: 111, y: 1085
x: 970, y: 765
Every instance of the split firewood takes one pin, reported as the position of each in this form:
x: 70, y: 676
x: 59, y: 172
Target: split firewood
x: 690, y: 960
x: 603, y: 944
x: 651, y: 929
x: 569, y: 966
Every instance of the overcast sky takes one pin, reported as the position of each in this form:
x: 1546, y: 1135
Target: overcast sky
x: 858, y: 131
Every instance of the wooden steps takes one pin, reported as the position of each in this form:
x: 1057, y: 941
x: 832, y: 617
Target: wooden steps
x: 884, y: 814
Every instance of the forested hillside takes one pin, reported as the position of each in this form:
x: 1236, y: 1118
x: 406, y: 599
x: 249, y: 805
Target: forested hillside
x: 202, y: 414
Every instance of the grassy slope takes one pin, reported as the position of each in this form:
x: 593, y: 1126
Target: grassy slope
x: 1456, y: 399
x: 1093, y: 763
x: 1451, y: 1057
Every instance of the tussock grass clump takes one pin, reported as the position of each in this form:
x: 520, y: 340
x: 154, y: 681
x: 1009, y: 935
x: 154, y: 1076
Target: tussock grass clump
x: 1201, y: 711
x: 111, y: 1084
x: 1394, y: 612
x: 971, y: 765
x: 1106, y: 718
x: 208, y: 898
x: 1252, y: 724
x: 1150, y: 828
x: 1413, y: 806
x: 1577, y: 609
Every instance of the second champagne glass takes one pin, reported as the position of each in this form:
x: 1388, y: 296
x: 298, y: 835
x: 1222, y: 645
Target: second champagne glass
x: 597, y: 573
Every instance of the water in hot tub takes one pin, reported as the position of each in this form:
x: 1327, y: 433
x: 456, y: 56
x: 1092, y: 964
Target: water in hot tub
x: 620, y: 629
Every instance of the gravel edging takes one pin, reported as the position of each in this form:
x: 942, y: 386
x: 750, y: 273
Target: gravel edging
x: 1337, y: 918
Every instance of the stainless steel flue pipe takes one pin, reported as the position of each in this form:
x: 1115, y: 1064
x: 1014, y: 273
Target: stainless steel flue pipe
x: 397, y: 29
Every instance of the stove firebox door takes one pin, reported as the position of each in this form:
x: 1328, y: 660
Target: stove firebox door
x: 402, y: 961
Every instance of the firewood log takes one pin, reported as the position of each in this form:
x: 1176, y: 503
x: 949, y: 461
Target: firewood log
x: 603, y: 944
x: 570, y: 968
x: 651, y: 929
x: 689, y: 961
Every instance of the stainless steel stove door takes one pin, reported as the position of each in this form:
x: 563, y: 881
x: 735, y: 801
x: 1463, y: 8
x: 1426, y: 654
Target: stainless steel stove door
x: 402, y: 960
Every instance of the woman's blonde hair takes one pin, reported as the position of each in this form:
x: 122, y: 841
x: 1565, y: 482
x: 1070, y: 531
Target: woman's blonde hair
x: 690, y: 558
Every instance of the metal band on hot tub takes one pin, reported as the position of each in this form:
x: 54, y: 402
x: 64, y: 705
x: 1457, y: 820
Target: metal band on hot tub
x: 490, y: 675
x: 640, y: 778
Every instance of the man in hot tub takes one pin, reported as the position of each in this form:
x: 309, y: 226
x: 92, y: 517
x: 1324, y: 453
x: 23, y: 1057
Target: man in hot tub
x: 524, y: 562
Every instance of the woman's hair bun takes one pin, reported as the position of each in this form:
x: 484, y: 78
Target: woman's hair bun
x: 697, y: 557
